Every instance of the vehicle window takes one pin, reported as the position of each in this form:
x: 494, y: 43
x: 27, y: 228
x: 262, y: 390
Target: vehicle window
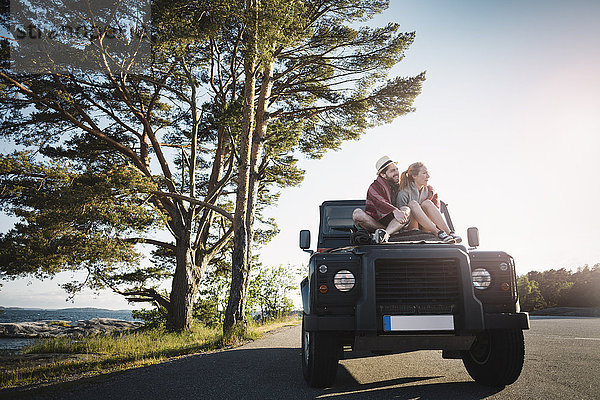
x: 338, y: 219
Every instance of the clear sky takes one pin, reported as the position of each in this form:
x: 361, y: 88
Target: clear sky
x: 508, y: 123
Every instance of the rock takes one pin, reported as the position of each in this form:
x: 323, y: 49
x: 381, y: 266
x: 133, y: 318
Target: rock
x: 53, y: 328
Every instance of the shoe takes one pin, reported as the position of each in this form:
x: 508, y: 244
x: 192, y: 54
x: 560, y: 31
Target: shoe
x: 457, y: 239
x: 444, y: 237
x: 380, y: 236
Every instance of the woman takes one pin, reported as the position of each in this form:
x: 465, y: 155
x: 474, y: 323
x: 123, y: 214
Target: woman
x: 422, y: 201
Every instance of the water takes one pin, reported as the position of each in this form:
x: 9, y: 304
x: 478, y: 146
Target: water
x: 65, y: 314
x: 8, y: 315
x: 12, y: 345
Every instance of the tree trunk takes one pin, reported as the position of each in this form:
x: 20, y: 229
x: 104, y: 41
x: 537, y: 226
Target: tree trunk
x: 256, y: 155
x: 184, y: 287
x: 250, y: 158
x: 241, y: 241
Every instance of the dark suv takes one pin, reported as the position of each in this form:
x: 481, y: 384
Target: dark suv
x: 412, y: 293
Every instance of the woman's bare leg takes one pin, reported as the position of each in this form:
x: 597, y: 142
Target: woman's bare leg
x: 435, y: 215
x: 413, y: 224
x: 421, y: 218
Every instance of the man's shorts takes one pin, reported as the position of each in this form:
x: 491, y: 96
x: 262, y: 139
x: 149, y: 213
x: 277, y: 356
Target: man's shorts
x: 385, y: 221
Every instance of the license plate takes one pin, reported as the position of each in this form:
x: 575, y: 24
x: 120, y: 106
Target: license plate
x: 393, y: 323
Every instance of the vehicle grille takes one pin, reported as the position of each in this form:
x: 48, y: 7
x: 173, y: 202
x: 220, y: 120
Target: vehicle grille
x: 417, y: 286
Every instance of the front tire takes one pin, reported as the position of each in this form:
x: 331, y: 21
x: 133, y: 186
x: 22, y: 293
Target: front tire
x: 496, y: 357
x: 320, y: 357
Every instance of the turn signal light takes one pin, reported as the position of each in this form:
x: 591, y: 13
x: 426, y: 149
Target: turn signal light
x: 505, y: 286
x: 323, y: 288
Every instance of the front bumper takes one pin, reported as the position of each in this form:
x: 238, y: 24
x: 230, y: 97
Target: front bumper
x: 519, y: 320
x: 347, y: 323
x: 341, y: 323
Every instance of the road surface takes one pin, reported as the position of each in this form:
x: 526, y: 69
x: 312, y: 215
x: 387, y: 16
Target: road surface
x: 562, y: 362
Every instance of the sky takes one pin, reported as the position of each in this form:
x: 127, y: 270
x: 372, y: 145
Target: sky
x: 508, y: 124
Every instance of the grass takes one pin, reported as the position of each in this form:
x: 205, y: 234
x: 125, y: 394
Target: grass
x: 67, y: 358
x: 60, y: 323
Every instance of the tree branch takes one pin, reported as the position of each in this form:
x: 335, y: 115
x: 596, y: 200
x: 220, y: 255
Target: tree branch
x: 146, y: 295
x: 197, y: 202
x: 152, y: 241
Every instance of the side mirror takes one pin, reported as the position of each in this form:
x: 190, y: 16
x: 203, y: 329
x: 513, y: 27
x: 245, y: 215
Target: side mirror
x: 473, y: 237
x: 305, y: 240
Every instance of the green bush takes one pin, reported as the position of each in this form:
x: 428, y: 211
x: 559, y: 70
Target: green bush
x: 154, y: 318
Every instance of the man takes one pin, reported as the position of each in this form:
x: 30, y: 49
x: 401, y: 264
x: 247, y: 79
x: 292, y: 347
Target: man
x: 380, y: 215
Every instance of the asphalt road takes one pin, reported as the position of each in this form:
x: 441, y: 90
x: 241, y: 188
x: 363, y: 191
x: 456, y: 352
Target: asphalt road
x: 562, y: 362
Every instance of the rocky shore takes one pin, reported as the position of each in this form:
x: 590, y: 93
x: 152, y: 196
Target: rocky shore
x: 54, y: 328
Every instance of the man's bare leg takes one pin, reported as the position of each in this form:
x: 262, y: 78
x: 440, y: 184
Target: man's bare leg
x: 401, y: 218
x: 364, y: 220
x: 394, y: 226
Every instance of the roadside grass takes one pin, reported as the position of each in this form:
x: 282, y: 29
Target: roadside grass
x: 67, y: 358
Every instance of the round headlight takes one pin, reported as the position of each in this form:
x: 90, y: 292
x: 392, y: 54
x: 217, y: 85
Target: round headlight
x: 481, y: 278
x: 344, y: 280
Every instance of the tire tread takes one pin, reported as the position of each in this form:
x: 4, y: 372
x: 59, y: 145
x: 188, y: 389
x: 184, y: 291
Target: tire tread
x: 323, y: 359
x: 505, y: 361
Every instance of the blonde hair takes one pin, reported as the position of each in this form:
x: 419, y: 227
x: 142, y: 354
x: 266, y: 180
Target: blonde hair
x: 407, y: 177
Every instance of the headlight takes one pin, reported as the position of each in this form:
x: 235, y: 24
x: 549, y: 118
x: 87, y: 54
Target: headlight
x: 481, y: 278
x: 344, y: 280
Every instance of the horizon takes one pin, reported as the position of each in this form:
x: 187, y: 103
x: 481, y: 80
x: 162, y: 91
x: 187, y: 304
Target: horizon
x: 60, y: 309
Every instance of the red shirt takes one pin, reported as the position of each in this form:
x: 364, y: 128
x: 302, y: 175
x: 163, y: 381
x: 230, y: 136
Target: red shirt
x: 379, y: 199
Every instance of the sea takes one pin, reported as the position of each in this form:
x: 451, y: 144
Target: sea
x: 14, y: 314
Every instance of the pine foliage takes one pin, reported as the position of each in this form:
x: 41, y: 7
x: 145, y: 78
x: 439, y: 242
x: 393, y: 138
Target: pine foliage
x: 155, y: 151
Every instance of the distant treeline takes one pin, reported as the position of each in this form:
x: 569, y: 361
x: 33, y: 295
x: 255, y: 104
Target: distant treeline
x: 560, y: 288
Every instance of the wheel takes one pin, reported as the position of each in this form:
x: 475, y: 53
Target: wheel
x: 496, y: 357
x: 320, y: 356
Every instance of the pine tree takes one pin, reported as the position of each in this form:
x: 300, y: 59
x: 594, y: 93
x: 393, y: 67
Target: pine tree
x: 113, y: 151
x: 312, y: 79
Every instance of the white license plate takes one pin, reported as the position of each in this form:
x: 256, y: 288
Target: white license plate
x: 418, y: 323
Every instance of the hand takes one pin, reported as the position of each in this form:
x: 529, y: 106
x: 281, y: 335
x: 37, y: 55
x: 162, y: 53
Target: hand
x: 402, y: 216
